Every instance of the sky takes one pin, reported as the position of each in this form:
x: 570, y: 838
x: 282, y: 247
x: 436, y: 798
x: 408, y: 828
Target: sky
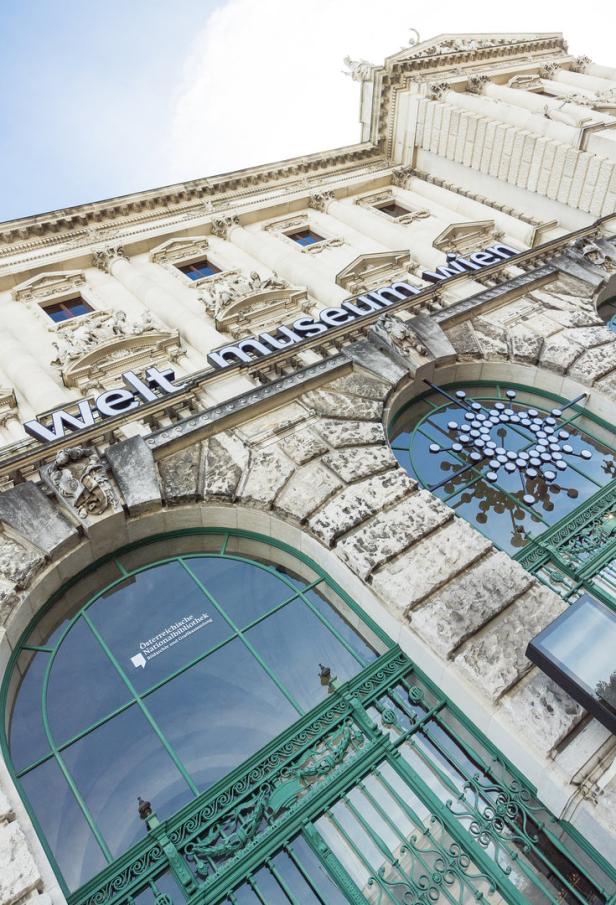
x: 101, y: 98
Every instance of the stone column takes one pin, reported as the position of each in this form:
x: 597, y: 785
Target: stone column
x: 580, y: 80
x: 166, y: 306
x: 537, y: 103
x: 193, y: 327
x: 25, y: 373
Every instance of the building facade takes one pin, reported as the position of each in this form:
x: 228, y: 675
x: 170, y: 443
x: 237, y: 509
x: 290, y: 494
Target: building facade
x: 307, y: 507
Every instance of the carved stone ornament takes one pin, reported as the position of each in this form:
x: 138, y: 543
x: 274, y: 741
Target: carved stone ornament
x: 103, y: 258
x: 437, y: 89
x: 79, y: 479
x: 476, y: 82
x: 222, y: 225
x: 242, y: 304
x: 47, y: 285
x: 96, y: 348
x: 8, y: 405
x: 179, y: 249
x: 526, y: 82
x: 548, y: 70
x: 224, y: 289
x: 320, y: 200
x: 595, y: 255
x: 318, y: 247
x: 287, y: 224
x: 401, y: 175
x: 580, y: 64
x: 358, y: 70
x: 396, y: 333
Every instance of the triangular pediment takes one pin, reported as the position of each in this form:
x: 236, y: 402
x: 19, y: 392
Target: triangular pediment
x: 180, y: 249
x: 470, y: 42
x: 48, y: 285
x: 372, y: 264
x: 466, y: 236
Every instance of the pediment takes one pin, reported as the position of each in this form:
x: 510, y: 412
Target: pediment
x: 111, y: 358
x: 263, y: 300
x: 470, y: 43
x: 179, y: 249
x: 466, y: 236
x: 48, y: 285
x: 371, y: 265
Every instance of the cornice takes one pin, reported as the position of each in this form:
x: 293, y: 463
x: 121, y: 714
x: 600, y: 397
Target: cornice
x: 197, y: 198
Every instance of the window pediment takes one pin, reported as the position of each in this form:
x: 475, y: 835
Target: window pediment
x: 182, y: 249
x: 368, y: 269
x: 48, y: 285
x: 467, y: 236
x: 240, y: 303
x: 100, y: 347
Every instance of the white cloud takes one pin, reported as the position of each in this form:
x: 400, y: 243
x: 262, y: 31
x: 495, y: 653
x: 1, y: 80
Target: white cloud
x: 264, y: 79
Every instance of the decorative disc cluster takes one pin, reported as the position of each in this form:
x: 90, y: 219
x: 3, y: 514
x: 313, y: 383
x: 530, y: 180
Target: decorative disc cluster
x: 543, y: 460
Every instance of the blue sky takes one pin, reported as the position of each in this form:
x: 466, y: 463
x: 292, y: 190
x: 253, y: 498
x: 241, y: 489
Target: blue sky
x: 87, y: 83
x: 106, y: 97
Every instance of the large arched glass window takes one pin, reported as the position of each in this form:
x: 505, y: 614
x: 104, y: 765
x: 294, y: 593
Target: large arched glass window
x: 160, y: 683
x: 511, y: 460
x: 209, y: 718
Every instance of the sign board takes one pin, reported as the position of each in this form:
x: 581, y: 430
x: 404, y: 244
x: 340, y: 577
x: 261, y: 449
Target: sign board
x: 307, y: 327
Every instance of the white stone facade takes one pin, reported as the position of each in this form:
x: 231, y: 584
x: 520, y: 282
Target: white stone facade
x: 481, y: 139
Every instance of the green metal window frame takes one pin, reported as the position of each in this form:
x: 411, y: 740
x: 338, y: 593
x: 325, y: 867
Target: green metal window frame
x: 379, y: 719
x: 575, y: 553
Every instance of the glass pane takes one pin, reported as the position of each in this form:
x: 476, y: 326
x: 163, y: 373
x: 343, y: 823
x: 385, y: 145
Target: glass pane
x: 157, y: 621
x: 239, y: 710
x: 28, y: 741
x: 506, y: 523
x: 57, y: 314
x: 78, y: 306
x: 83, y: 687
x: 118, y: 762
x: 297, y: 664
x: 583, y: 642
x: 269, y: 888
x: 244, y: 590
x: 319, y: 877
x: 68, y: 835
x: 340, y: 625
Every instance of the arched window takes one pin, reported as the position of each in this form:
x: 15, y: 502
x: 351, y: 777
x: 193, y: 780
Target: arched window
x: 207, y: 717
x: 511, y: 460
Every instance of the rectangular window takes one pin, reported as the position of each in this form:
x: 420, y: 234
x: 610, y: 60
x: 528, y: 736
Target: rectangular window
x: 62, y: 311
x: 577, y: 651
x: 198, y: 269
x: 305, y: 237
x: 393, y: 209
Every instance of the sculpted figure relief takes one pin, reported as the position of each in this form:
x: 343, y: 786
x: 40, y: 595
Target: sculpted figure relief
x: 74, y: 341
x: 359, y: 70
x: 78, y: 476
x: 232, y: 286
x: 597, y: 256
